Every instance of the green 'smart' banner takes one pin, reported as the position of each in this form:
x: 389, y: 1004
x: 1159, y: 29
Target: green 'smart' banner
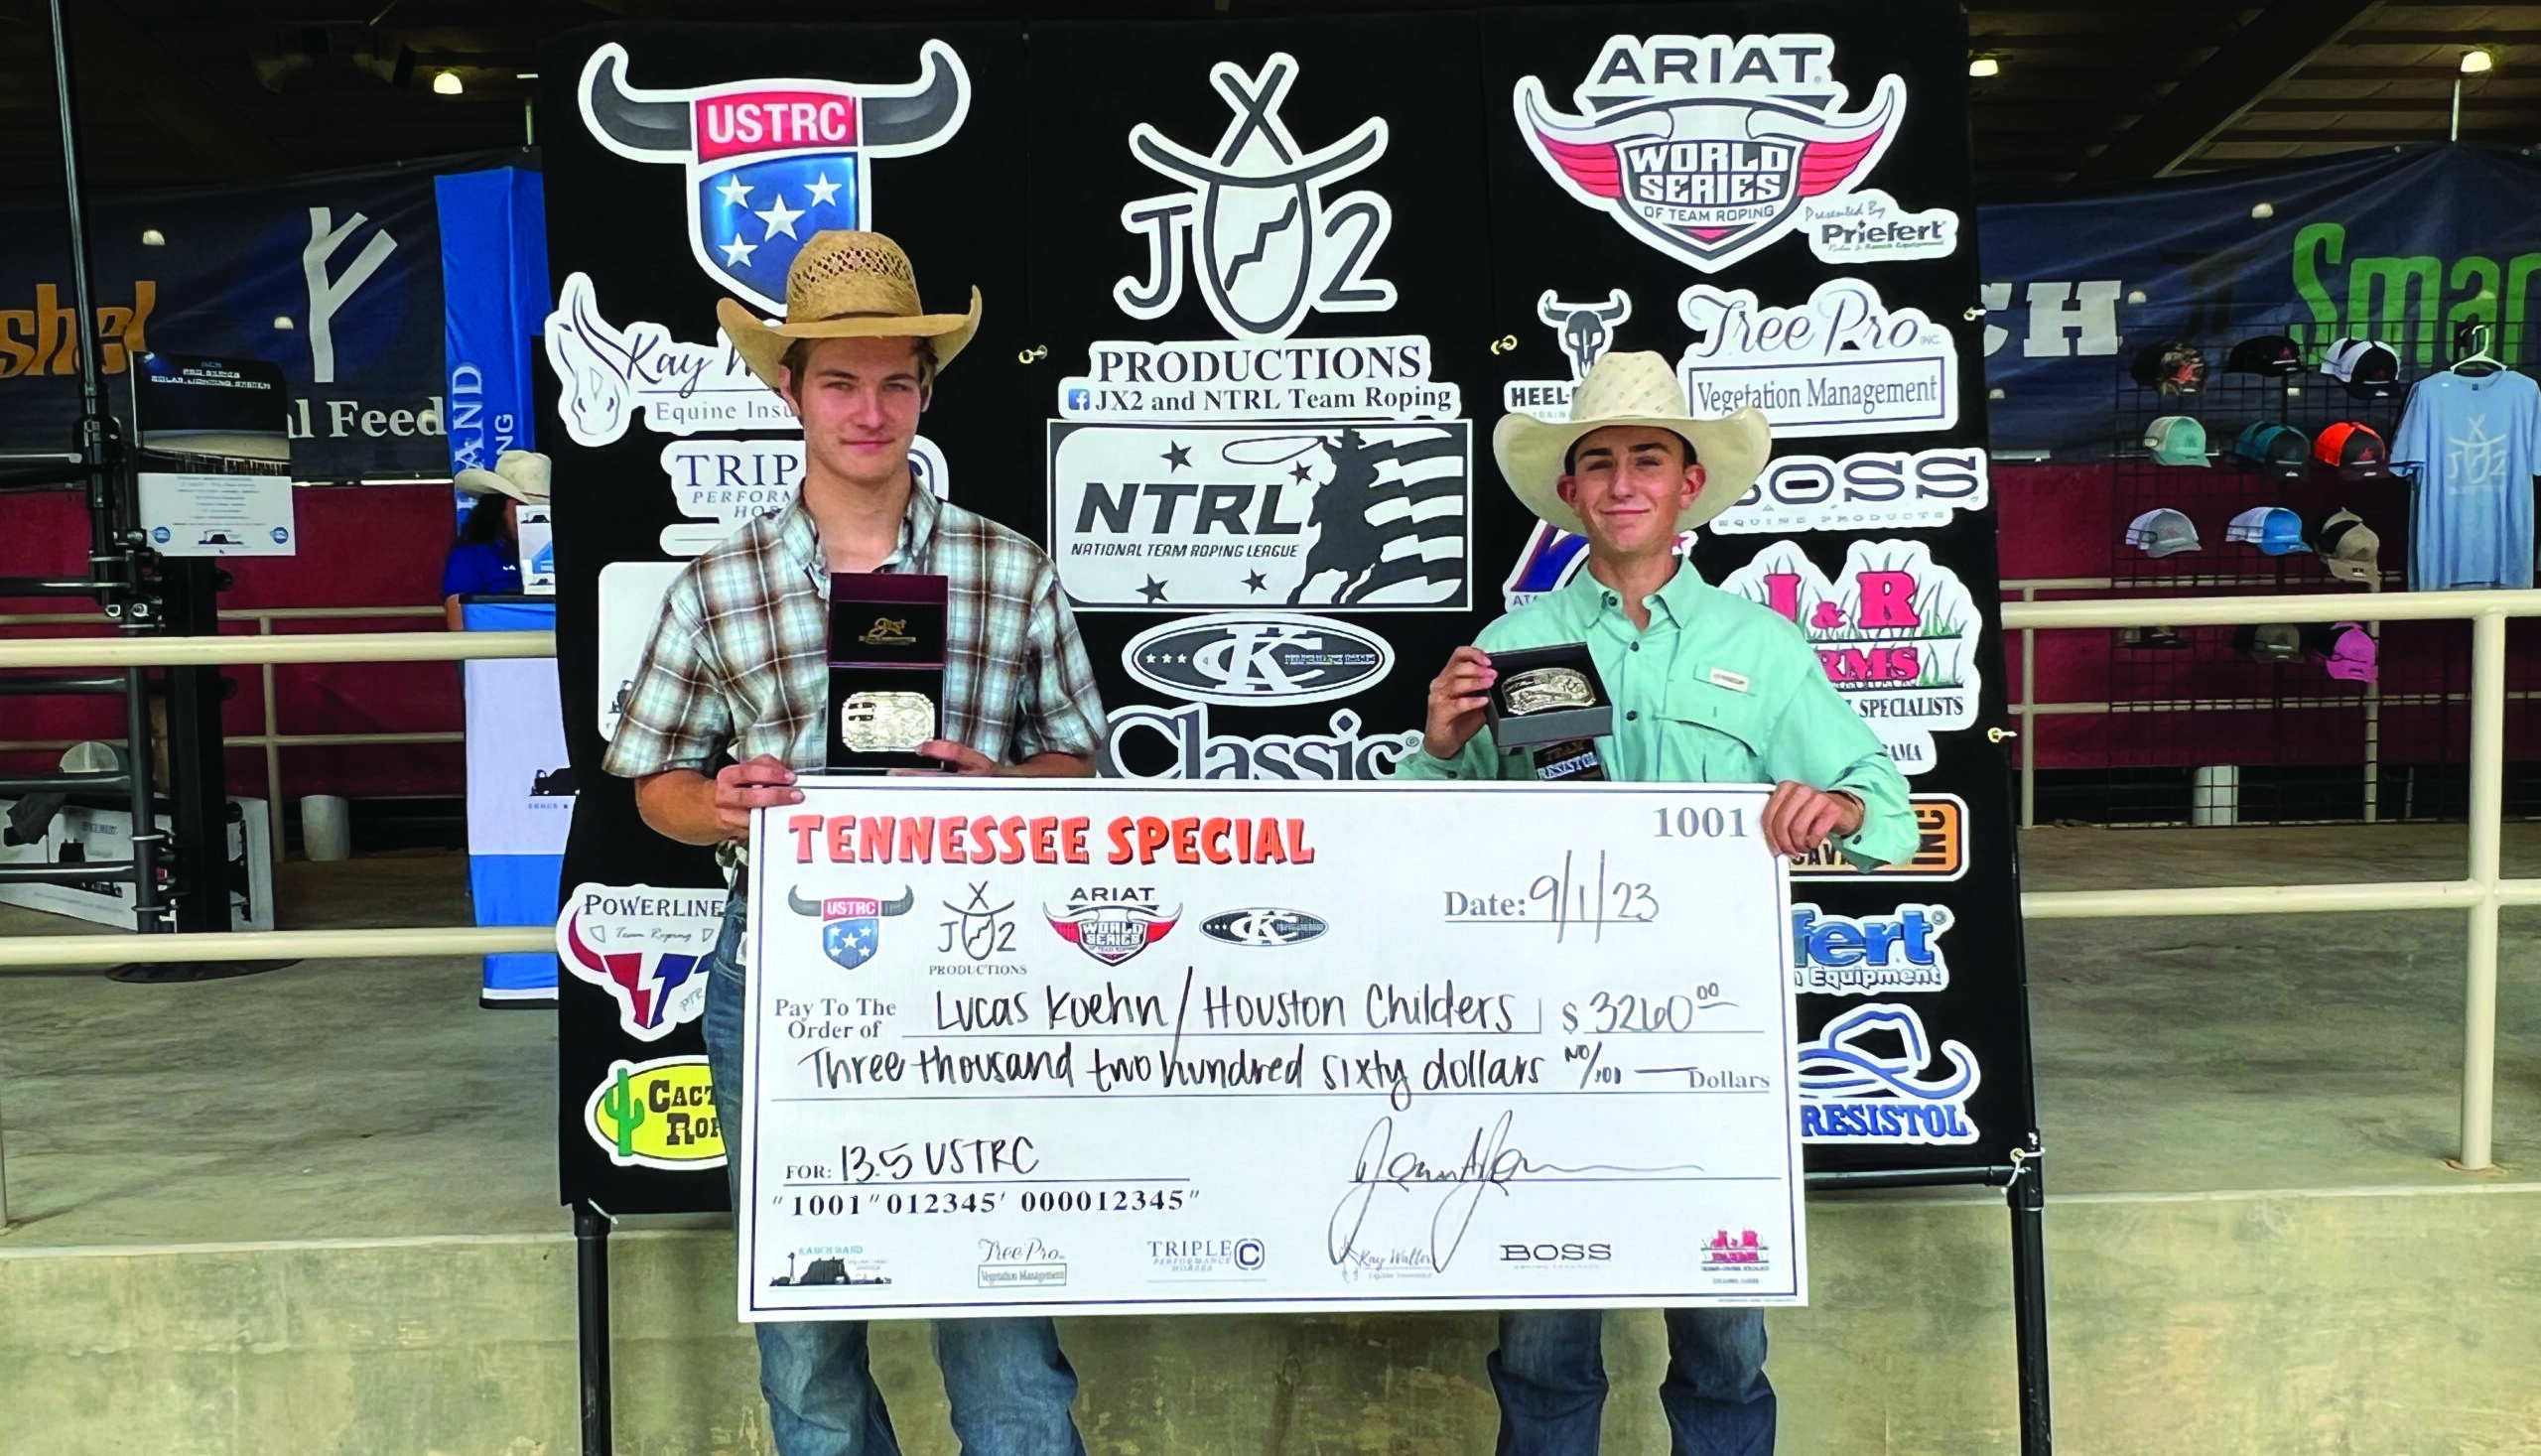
x: 2399, y: 245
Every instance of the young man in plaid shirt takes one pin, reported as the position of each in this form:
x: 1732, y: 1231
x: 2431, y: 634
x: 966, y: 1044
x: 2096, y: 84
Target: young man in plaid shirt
x: 737, y: 666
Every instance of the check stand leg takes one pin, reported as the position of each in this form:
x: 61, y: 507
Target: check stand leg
x: 591, y: 1289
x: 2027, y: 1196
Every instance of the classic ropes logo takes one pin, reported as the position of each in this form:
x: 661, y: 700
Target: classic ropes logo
x: 1710, y: 148
x: 770, y: 162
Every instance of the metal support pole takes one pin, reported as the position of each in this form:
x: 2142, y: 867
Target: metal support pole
x: 149, y: 909
x: 591, y: 1289
x: 273, y: 752
x: 2487, y: 833
x: 2028, y: 720
x: 2027, y: 1195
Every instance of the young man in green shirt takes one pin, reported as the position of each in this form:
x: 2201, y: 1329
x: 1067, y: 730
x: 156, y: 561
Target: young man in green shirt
x: 1707, y: 688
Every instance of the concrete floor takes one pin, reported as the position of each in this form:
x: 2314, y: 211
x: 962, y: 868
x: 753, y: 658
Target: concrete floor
x: 2251, y: 1244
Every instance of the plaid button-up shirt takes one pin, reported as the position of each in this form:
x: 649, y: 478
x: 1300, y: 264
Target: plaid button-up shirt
x: 740, y: 657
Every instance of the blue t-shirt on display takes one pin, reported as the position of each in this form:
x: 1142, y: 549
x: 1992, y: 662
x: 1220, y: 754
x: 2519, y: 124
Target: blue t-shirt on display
x: 2473, y: 445
x: 481, y: 569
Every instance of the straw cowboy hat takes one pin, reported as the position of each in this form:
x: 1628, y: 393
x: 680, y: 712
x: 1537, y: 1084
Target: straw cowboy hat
x: 518, y: 474
x: 846, y: 285
x: 1630, y: 389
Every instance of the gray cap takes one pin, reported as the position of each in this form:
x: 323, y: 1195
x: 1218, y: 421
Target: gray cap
x: 2163, y: 532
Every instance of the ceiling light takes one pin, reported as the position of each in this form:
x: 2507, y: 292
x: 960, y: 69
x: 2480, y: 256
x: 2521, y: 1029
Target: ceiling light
x: 2263, y: 211
x: 1983, y: 67
x: 446, y: 84
x: 152, y: 237
x: 283, y: 323
x: 2477, y: 63
x: 525, y: 76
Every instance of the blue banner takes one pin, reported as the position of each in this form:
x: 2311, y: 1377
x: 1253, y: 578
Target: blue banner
x: 2400, y: 245
x: 493, y: 265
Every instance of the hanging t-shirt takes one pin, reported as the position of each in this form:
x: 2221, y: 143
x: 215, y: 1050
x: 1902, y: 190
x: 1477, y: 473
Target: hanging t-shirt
x: 2473, y: 445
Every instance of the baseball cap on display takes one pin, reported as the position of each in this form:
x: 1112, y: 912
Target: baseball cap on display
x: 2269, y: 353
x: 2162, y: 532
x: 2176, y: 440
x: 2347, y: 649
x: 2368, y: 370
x: 2271, y: 528
x: 2355, y: 449
x: 2272, y: 642
x: 2171, y: 366
x: 2350, y: 549
x: 2274, y: 447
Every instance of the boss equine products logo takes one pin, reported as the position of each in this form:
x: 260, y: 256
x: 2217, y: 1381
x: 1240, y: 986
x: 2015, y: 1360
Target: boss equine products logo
x: 1842, y: 363
x: 656, y: 1115
x: 1896, y: 634
x: 1245, y: 659
x: 648, y: 948
x: 850, y: 928
x: 1263, y: 926
x: 1112, y: 925
x: 1183, y: 517
x: 770, y: 162
x: 1840, y: 955
x: 1264, y: 245
x: 1586, y: 331
x: 1854, y: 1090
x: 1874, y: 490
x: 1710, y: 148
x: 1180, y: 737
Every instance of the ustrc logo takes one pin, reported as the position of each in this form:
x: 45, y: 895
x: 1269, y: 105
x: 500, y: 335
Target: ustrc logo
x: 1557, y: 1253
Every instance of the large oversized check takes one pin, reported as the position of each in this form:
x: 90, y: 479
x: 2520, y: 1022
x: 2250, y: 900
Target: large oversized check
x: 1083, y: 1047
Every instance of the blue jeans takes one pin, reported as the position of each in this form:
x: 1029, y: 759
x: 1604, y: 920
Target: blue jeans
x: 1009, y: 1383
x: 1551, y: 1374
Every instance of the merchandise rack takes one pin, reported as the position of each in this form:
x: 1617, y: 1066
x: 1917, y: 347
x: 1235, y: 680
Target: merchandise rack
x: 2200, y: 733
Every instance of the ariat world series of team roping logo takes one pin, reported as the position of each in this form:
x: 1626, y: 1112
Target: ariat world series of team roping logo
x: 1112, y: 925
x: 1266, y: 245
x: 772, y: 162
x: 1711, y: 147
x: 850, y: 928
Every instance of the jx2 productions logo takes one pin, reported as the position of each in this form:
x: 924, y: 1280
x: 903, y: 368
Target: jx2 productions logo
x: 850, y: 928
x: 1710, y: 148
x: 769, y: 163
x: 1112, y: 925
x: 1265, y: 243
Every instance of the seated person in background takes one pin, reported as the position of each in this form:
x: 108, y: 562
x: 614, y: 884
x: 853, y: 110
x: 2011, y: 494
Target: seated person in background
x: 486, y: 559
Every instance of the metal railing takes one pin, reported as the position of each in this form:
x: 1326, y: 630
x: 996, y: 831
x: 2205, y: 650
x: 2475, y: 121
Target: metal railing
x: 2480, y: 893
x: 273, y: 740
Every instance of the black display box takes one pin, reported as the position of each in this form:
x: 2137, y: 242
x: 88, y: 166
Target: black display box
x: 1510, y: 729
x: 886, y: 670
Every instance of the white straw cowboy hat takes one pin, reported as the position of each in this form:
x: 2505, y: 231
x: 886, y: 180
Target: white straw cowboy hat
x: 1630, y: 389
x: 846, y: 285
x: 518, y: 474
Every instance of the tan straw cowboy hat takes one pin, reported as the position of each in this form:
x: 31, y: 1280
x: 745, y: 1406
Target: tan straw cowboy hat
x: 846, y: 285
x: 1630, y: 389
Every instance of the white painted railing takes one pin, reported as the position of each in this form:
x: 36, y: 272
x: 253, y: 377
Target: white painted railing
x: 2480, y: 893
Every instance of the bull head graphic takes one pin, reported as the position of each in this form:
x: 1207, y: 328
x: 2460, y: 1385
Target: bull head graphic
x: 1587, y: 330
x: 850, y: 928
x: 772, y: 162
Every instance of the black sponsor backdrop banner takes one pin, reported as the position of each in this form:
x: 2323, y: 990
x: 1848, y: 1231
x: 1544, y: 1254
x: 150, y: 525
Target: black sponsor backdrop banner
x: 1076, y: 195
x: 353, y: 259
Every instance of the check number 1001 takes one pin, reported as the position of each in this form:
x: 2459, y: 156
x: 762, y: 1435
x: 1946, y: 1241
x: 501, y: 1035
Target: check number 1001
x: 1690, y: 822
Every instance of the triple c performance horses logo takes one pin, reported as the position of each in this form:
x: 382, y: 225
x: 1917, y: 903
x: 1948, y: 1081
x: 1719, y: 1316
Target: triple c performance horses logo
x: 772, y: 162
x: 1710, y: 148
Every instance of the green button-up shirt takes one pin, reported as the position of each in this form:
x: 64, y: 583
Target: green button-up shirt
x: 1716, y: 689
